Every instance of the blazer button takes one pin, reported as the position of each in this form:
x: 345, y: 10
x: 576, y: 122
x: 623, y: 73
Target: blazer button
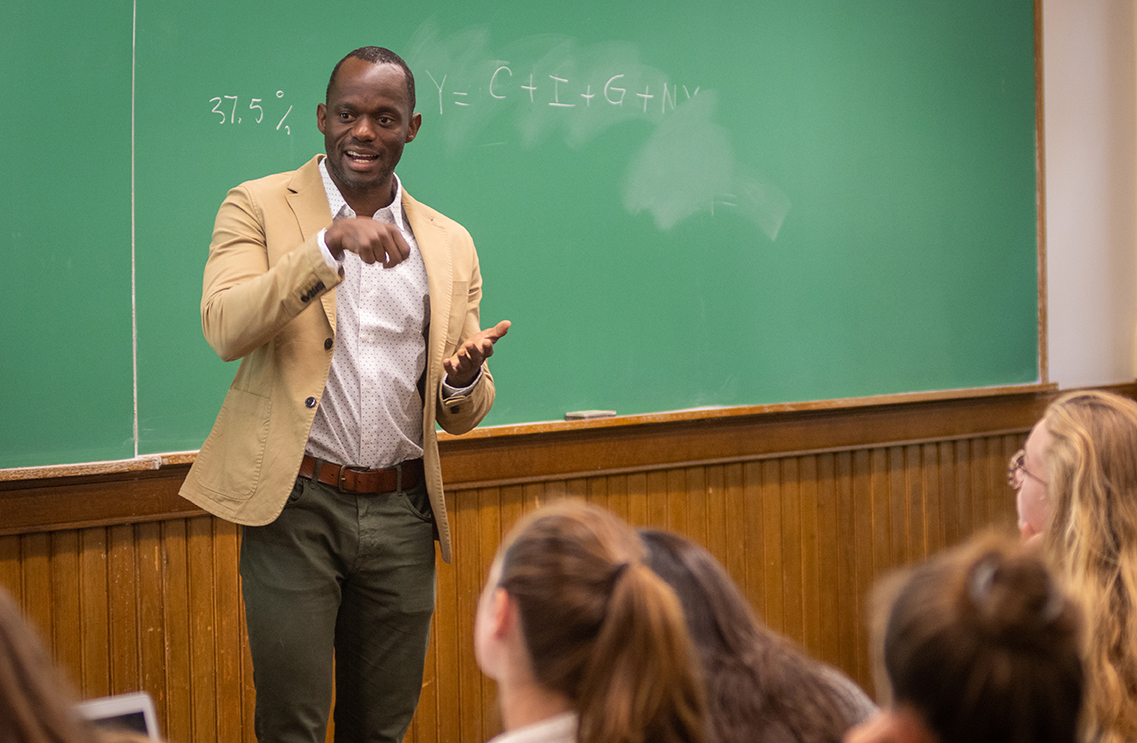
x: 328, y: 344
x: 310, y: 402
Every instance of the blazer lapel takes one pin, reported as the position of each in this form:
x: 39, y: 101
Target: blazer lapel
x: 431, y: 239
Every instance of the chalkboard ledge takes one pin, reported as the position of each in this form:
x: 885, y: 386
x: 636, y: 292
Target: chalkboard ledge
x: 150, y: 462
x: 144, y: 463
x: 694, y: 414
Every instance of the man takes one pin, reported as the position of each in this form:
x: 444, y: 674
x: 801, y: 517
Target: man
x: 354, y: 310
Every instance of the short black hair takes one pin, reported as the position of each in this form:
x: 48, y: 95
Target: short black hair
x: 376, y: 55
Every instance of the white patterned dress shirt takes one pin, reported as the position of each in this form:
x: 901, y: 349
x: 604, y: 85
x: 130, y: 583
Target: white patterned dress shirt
x: 371, y: 411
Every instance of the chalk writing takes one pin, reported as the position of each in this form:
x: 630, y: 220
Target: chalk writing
x: 493, y: 77
x: 556, y: 93
x: 646, y: 97
x: 528, y: 90
x: 280, y: 94
x: 609, y: 87
x: 530, y: 87
x: 500, y: 84
x: 228, y: 113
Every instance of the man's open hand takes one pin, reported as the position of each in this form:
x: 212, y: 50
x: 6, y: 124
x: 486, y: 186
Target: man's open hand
x: 463, y: 365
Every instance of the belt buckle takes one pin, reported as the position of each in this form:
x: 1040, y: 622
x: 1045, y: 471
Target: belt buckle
x: 343, y: 477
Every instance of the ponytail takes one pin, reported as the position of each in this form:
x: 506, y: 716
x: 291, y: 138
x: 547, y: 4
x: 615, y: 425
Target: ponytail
x: 640, y: 683
x: 602, y: 628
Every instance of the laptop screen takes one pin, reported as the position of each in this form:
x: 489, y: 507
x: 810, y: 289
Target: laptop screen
x: 133, y: 712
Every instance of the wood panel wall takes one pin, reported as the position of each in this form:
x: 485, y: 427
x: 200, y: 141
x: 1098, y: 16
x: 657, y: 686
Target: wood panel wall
x: 806, y: 506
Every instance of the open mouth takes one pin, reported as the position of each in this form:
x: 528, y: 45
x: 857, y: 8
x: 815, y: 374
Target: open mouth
x: 361, y: 158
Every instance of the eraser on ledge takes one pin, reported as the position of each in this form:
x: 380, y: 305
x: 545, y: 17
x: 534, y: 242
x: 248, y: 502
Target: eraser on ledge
x: 577, y: 415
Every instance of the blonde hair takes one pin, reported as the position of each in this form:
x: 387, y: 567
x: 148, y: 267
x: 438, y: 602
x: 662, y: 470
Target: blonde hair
x: 602, y: 628
x: 1092, y: 541
x: 983, y: 644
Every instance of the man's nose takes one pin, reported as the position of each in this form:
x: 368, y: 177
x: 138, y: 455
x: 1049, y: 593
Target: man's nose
x: 363, y: 129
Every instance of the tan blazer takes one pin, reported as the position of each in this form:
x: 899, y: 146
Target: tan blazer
x: 268, y: 299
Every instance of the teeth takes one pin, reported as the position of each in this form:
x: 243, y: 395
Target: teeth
x: 360, y: 156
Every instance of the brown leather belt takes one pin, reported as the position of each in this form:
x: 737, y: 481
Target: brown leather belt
x: 403, y: 476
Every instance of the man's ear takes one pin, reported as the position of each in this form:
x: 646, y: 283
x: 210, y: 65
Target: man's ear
x: 321, y: 117
x: 412, y: 128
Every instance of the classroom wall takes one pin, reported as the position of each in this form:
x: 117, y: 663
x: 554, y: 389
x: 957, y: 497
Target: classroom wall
x: 1090, y: 88
x: 133, y: 590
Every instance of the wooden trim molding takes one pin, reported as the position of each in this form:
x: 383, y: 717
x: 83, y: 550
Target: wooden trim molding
x: 733, y: 435
x: 145, y: 489
x: 149, y: 462
x: 1040, y: 170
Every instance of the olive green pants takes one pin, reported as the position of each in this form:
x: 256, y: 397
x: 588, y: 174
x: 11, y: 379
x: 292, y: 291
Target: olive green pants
x: 344, y: 576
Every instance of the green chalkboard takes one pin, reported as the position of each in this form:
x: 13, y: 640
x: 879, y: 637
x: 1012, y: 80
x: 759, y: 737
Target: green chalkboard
x: 65, y: 217
x: 678, y: 204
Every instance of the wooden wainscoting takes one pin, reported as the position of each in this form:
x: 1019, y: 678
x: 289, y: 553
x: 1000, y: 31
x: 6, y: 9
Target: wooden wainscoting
x: 153, y: 606
x: 805, y: 505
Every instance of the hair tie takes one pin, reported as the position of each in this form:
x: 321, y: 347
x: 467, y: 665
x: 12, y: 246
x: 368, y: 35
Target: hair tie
x: 981, y: 581
x: 984, y: 577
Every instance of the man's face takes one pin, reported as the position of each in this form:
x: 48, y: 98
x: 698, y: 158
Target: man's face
x: 365, y: 123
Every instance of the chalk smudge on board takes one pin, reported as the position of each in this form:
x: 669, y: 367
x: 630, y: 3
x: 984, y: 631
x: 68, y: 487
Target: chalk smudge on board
x: 688, y: 166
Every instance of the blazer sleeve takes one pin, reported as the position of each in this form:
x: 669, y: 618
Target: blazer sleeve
x: 461, y: 413
x: 254, y: 286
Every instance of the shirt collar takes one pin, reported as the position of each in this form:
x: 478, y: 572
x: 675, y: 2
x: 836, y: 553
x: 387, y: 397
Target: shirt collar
x: 561, y: 727
x: 340, y: 207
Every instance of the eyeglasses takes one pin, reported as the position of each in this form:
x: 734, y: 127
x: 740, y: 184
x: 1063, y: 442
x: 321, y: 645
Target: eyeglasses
x: 1016, y: 470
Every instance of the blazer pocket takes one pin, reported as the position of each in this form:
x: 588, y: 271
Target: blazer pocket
x: 458, y: 301
x: 231, y: 458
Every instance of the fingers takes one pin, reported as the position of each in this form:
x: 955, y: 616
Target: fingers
x: 471, y: 355
x: 497, y: 331
x: 476, y: 349
x: 373, y: 242
x: 483, y: 340
x: 397, y: 250
x: 460, y: 368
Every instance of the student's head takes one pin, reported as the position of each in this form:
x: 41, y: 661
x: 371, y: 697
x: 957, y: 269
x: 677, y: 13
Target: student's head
x: 36, y: 705
x: 979, y: 644
x: 1078, y: 468
x: 1089, y: 448
x: 33, y: 704
x: 571, y: 604
x: 1089, y: 455
x: 758, y: 686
